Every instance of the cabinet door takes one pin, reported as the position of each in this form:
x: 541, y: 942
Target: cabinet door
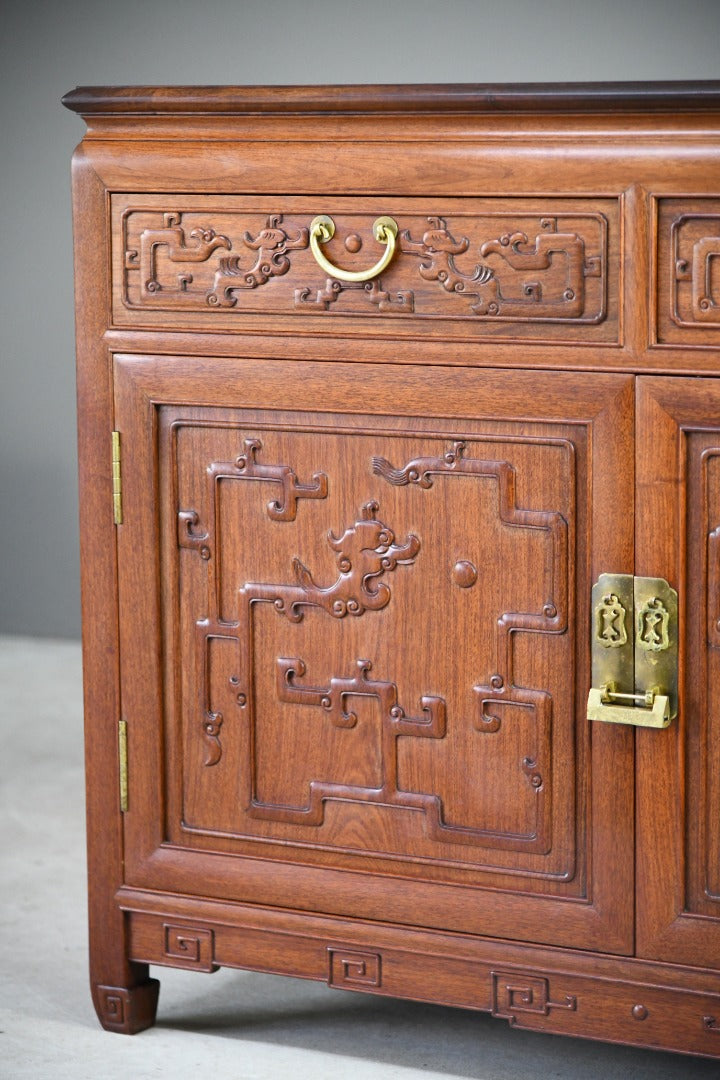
x: 354, y: 641
x: 678, y: 537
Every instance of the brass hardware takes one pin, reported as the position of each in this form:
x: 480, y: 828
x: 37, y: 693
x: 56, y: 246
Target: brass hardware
x: 322, y: 229
x: 634, y: 651
x: 610, y: 622
x: 123, y: 764
x: 652, y: 626
x: 654, y: 712
x: 116, y: 479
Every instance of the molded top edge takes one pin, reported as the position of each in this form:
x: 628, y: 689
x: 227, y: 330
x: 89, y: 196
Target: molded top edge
x: 440, y: 98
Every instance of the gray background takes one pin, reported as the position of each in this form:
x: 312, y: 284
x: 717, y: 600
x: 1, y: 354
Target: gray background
x: 48, y: 48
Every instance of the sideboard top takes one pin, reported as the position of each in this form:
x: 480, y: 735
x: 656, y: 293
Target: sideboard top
x: 599, y: 97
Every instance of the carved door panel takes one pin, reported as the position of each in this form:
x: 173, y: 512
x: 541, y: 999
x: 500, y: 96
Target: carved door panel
x: 354, y: 609
x: 678, y: 468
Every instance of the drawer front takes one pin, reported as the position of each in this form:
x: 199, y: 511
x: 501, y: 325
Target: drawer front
x: 688, y: 260
x: 540, y: 270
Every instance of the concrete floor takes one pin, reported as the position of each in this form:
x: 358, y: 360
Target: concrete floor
x: 232, y: 1025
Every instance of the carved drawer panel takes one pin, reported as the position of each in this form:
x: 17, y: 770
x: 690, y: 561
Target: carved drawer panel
x: 688, y: 261
x: 542, y: 270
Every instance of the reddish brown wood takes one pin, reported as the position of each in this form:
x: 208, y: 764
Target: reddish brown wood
x: 346, y: 615
x: 124, y: 997
x: 678, y: 478
x: 460, y: 97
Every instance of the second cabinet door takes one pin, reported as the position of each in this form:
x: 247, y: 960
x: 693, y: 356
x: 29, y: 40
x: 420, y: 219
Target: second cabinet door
x: 354, y: 607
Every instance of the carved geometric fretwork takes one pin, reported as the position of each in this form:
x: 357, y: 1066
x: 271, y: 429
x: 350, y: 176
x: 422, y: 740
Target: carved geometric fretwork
x: 172, y: 237
x: 127, y: 1010
x: 114, y: 1001
x: 189, y: 947
x: 352, y: 970
x: 695, y: 244
x: 497, y: 701
x: 502, y: 695
x: 515, y: 994
x: 333, y: 700
x: 422, y: 470
x: 373, y: 292
x: 247, y: 467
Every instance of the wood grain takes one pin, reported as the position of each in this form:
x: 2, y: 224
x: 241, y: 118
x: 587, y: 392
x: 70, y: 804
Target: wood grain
x: 346, y: 616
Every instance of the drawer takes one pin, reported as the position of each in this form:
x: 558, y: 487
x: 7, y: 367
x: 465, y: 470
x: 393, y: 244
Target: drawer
x: 688, y: 262
x: 542, y: 270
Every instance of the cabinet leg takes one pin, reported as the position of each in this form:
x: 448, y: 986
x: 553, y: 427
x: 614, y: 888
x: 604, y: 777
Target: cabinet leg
x: 127, y: 1009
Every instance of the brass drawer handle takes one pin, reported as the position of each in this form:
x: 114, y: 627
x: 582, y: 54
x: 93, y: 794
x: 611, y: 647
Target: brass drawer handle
x: 322, y: 229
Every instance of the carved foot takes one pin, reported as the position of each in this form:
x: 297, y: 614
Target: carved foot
x: 127, y: 1010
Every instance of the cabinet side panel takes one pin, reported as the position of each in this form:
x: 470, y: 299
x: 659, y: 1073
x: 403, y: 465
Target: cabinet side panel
x: 124, y: 998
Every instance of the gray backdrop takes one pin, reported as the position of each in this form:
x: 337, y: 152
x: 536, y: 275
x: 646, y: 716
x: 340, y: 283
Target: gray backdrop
x: 46, y: 48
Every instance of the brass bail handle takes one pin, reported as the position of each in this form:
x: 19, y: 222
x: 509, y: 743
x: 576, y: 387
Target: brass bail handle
x: 322, y: 229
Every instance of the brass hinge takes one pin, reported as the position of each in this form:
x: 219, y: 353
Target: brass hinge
x: 634, y: 651
x: 123, y: 764
x: 117, y: 479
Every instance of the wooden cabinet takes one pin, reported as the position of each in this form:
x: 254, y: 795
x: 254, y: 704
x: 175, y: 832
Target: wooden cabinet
x: 338, y: 614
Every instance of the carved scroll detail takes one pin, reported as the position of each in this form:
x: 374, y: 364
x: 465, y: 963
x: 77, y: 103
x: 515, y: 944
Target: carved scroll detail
x: 333, y: 699
x: 272, y: 245
x: 365, y: 552
x: 527, y: 267
x: 437, y: 250
x: 211, y: 729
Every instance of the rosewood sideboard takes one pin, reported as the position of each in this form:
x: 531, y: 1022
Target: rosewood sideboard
x: 400, y: 485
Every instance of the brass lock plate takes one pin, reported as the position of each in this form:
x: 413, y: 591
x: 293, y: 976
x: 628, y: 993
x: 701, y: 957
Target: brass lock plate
x: 634, y: 651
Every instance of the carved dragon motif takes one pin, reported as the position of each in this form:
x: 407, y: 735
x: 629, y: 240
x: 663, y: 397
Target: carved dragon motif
x: 365, y: 552
x: 438, y: 249
x: 171, y: 236
x: 272, y: 245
